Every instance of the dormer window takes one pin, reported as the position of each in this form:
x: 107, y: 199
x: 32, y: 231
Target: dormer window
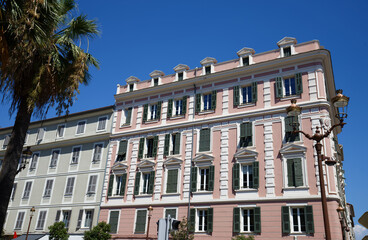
x: 287, y: 46
x: 245, y: 61
x: 156, y: 77
x: 245, y: 56
x: 155, y: 82
x: 287, y: 51
x: 131, y: 87
x: 181, y: 72
x: 208, y: 65
x: 131, y: 81
x: 180, y: 76
x: 208, y: 70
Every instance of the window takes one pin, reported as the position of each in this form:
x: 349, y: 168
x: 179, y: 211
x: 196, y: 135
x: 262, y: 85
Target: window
x: 245, y: 61
x: 177, y: 107
x: 122, y: 151
x: 40, y: 134
x: 81, y: 127
x: 85, y: 218
x: 140, y: 221
x: 63, y: 216
x: 152, y: 112
x: 117, y: 185
x: 126, y: 116
x: 27, y: 190
x: 97, y: 152
x: 92, y: 184
x: 287, y: 51
x: 113, y: 221
x: 75, y: 155
x: 48, y: 188
x: 6, y: 141
x: 289, y: 86
x: 246, y: 136
x: 171, y: 212
x: 201, y: 220
x: 294, y: 172
x: 14, y: 189
x: 172, y: 144
x: 34, y: 161
x: 101, y: 123
x: 202, y: 178
x: 144, y: 182
x: 54, y: 158
x: 131, y: 87
x: 298, y: 219
x: 289, y: 135
x: 246, y: 176
x: 69, y: 187
x: 172, y: 181
x: 180, y: 76
x: 60, y: 131
x: 19, y: 221
x: 208, y: 70
x: 148, y: 147
x: 205, y: 140
x: 247, y: 220
x: 155, y: 82
x: 205, y: 102
x: 41, y: 220
x: 245, y: 95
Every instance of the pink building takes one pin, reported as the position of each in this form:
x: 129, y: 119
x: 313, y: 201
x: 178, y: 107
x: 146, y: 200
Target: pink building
x: 220, y: 136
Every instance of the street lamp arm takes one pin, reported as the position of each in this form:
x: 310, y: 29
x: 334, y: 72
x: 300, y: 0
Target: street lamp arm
x: 305, y: 134
x: 332, y: 128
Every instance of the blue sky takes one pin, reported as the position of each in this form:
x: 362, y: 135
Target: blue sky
x: 139, y: 36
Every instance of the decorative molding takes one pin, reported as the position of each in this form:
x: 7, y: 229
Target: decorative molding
x: 208, y: 61
x: 132, y: 79
x: 286, y: 41
x: 181, y: 68
x: 245, y: 52
x: 157, y: 73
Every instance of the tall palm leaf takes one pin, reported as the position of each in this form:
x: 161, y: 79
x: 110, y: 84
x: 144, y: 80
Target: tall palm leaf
x: 42, y: 65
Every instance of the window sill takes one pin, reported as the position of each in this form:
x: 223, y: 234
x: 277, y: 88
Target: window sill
x: 143, y: 195
x: 204, y: 112
x: 74, y: 163
x: 96, y: 161
x: 115, y: 197
x: 246, y: 190
x: 202, y: 192
x: 46, y: 197
x: 151, y: 121
x: 177, y: 117
x: 295, y: 188
x: 102, y: 130
x: 286, y: 98
x: 68, y: 196
x: 171, y: 194
x: 125, y: 125
x: 245, y: 105
x: 89, y: 194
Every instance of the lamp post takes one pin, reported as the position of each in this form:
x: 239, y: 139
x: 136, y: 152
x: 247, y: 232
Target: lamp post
x: 30, y: 220
x: 150, y: 209
x: 26, y: 154
x: 340, y: 102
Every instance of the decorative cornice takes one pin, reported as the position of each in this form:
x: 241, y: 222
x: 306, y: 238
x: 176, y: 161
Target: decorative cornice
x: 118, y: 166
x: 245, y: 154
x: 245, y: 51
x: 173, y: 161
x: 181, y: 67
x: 291, y: 148
x: 146, y: 164
x: 286, y: 41
x: 132, y: 79
x: 157, y: 73
x: 208, y: 60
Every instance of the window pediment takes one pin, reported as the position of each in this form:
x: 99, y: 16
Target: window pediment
x: 172, y: 161
x: 286, y: 41
x: 181, y: 67
x: 157, y: 73
x: 146, y: 165
x: 292, y: 148
x: 203, y: 160
x: 245, y: 155
x: 119, y: 167
x: 132, y: 79
x: 208, y: 61
x: 245, y: 52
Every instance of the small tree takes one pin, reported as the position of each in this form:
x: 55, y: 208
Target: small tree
x: 58, y: 231
x: 242, y: 237
x: 99, y: 232
x: 183, y: 232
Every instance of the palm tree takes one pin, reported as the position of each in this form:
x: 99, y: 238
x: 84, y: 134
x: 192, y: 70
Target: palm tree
x: 42, y: 65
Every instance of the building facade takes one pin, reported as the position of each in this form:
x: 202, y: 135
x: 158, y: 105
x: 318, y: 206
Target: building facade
x: 217, y: 139
x: 64, y: 177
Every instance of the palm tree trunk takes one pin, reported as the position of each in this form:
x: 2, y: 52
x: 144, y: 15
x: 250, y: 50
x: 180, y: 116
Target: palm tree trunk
x: 12, y: 155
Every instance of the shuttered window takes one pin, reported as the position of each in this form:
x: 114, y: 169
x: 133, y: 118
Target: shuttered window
x: 60, y: 131
x: 88, y: 220
x: 80, y: 127
x: 128, y: 116
x: 75, y: 154
x: 177, y: 107
x: 246, y: 135
x: 101, y: 123
x: 122, y: 151
x: 69, y: 186
x: 204, y: 140
x: 289, y: 135
x: 40, y: 134
x: 245, y: 94
x: 247, y: 220
x: 140, y: 223
x: 294, y: 172
x: 41, y: 220
x: 19, y: 222
x: 54, y: 158
x: 117, y: 185
x: 113, y: 221
x: 92, y: 184
x: 14, y: 189
x: 151, y: 144
x: 289, y: 86
x: 205, y: 102
x: 97, y: 153
x: 171, y: 212
x: 146, y: 184
x: 172, y: 181
x: 246, y: 176
x: 27, y: 190
x: 34, y: 161
x: 48, y: 188
x: 205, y: 220
x: 297, y: 219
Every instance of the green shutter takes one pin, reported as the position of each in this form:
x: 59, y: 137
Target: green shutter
x: 254, y: 92
x: 289, y: 135
x: 155, y: 144
x: 257, y: 219
x: 236, y: 178
x: 151, y: 183
x: 145, y: 112
x: 236, y: 220
x: 185, y: 105
x: 204, y: 140
x: 191, y: 222
x: 136, y: 184
x: 113, y: 221
x: 236, y: 98
x: 140, y: 224
x: 255, y: 174
x: 111, y: 185
x: 285, y: 219
x: 290, y: 172
x: 213, y: 99
x: 278, y: 87
x: 198, y: 103
x: 159, y: 110
x: 298, y: 83
x: 243, y: 130
x: 122, y: 150
x: 123, y: 184
x: 193, y: 183
x: 141, y: 148
x: 172, y: 181
x: 298, y: 172
x: 167, y: 145
x: 172, y: 213
x: 309, y: 220
x: 211, y: 178
x: 210, y: 220
x: 169, y: 108
x: 177, y: 143
x: 128, y: 116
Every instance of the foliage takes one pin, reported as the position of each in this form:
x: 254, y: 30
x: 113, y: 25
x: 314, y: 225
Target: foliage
x: 242, y: 237
x: 183, y: 232
x: 99, y: 232
x: 58, y: 231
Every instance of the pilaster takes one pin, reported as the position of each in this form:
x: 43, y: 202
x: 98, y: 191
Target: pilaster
x: 267, y: 93
x: 224, y: 169
x: 132, y: 170
x: 269, y: 160
x: 225, y: 101
x: 159, y: 168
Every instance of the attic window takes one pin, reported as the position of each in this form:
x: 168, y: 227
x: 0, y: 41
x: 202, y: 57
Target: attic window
x: 131, y: 87
x: 180, y: 76
x: 245, y: 61
x: 287, y: 51
x: 208, y: 70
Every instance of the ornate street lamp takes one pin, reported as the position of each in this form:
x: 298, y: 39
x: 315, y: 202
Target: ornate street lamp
x: 150, y: 209
x: 26, y: 155
x: 340, y: 102
x: 33, y: 209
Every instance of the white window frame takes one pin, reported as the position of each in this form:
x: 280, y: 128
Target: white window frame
x: 98, y: 123
x: 199, y: 138
x: 211, y: 65
x: 290, y: 88
x: 16, y: 220
x: 153, y: 81
x: 124, y: 113
x: 84, y: 220
x: 184, y: 75
x: 118, y: 224
x: 134, y: 87
x: 171, y: 208
x: 291, y: 219
x: 32, y: 165
x: 89, y: 185
x: 84, y: 127
x: 24, y: 190
x: 174, y: 109
x: 79, y: 155
x: 52, y: 155
x: 203, y: 222
x: 150, y: 112
x: 248, y: 217
x: 12, y: 196
x: 209, y: 102
x: 241, y: 95
x: 57, y: 130
x: 292, y: 49
x: 241, y: 177
x: 145, y: 150
x: 172, y: 167
x: 142, y: 182
x: 116, y: 187
x: 199, y: 179
x: 45, y: 188
x: 136, y: 217
x: 40, y: 138
x: 62, y: 215
x: 44, y: 220
x: 66, y: 186
x: 94, y: 150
